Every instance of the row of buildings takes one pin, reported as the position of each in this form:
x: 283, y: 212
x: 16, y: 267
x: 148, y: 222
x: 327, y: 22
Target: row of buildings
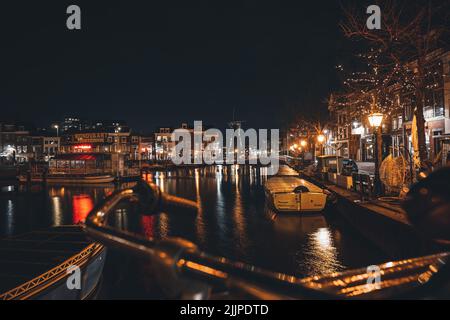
x: 20, y: 142
x: 354, y: 136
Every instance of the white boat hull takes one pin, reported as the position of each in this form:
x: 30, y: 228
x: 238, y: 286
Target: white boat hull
x: 294, y: 202
x: 289, y: 193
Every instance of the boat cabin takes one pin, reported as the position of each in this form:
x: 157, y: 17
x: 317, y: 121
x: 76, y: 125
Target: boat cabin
x: 81, y: 163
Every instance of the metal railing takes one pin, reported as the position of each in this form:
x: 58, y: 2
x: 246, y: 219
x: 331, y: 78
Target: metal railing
x: 179, y: 263
x: 40, y: 283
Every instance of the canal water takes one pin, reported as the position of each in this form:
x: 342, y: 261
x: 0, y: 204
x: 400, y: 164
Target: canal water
x: 234, y: 220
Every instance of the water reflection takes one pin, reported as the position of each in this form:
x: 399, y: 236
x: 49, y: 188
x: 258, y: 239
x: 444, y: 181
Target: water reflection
x: 57, y: 211
x: 24, y: 211
x: 9, y: 217
x: 82, y: 204
x: 319, y: 254
x: 233, y: 221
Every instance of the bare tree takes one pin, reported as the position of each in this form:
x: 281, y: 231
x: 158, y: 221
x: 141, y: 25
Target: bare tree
x: 411, y: 31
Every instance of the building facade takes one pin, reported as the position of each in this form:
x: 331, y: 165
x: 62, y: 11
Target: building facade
x: 356, y: 137
x: 15, y: 143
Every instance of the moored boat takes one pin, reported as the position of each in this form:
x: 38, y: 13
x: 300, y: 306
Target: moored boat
x: 69, y: 178
x: 37, y: 265
x: 73, y: 168
x: 293, y: 194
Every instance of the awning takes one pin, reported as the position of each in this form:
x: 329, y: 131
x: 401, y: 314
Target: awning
x: 82, y: 156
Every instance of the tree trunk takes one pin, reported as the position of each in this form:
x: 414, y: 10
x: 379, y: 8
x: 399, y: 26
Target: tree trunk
x: 420, y: 92
x: 379, y: 142
x: 423, y: 154
x: 420, y: 96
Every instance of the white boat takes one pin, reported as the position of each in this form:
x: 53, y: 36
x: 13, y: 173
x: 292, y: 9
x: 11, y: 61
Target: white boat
x: 293, y: 194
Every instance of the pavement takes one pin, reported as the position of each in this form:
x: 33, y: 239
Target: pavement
x: 366, y: 167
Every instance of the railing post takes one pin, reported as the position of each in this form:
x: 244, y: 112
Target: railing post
x: 362, y: 186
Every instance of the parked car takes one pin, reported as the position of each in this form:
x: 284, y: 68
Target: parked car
x: 349, y: 166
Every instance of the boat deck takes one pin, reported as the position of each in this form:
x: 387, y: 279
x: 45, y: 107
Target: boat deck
x: 29, y: 255
x: 285, y: 184
x: 287, y: 171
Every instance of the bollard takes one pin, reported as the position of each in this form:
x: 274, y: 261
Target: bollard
x: 361, y: 186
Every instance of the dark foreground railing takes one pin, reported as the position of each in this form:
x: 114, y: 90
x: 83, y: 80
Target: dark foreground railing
x: 186, y: 272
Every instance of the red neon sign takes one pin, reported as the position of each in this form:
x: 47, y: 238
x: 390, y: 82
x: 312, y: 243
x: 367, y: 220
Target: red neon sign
x: 83, y: 147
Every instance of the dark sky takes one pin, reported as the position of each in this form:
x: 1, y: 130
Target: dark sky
x: 154, y: 63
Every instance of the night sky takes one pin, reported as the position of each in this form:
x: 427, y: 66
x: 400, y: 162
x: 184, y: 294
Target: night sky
x: 155, y: 64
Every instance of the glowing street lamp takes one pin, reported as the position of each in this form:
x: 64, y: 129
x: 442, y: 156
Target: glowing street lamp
x: 303, y: 143
x: 321, y: 138
x: 57, y: 129
x: 375, y: 120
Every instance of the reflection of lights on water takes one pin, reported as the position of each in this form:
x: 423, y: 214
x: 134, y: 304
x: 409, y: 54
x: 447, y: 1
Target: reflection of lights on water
x: 8, y: 188
x: 199, y: 225
x: 163, y: 224
x: 121, y: 218
x: 148, y: 226
x: 219, y: 177
x: 238, y: 213
x: 319, y: 254
x: 159, y: 180
x: 9, y: 217
x: 236, y: 177
x: 82, y: 205
x: 57, y: 211
x: 323, y: 238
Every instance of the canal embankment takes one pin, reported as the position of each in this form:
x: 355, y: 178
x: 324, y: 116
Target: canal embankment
x: 385, y: 224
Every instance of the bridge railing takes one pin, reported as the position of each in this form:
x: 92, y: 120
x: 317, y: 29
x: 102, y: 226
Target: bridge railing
x: 180, y: 266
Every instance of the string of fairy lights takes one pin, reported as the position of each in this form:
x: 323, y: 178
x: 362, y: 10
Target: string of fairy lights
x: 386, y: 87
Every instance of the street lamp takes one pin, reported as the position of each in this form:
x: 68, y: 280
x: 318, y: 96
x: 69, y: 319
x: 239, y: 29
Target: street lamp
x: 57, y: 129
x: 321, y: 138
x: 375, y: 120
x: 303, y: 143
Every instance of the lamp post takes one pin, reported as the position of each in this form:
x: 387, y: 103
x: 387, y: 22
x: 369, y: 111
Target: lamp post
x: 375, y: 120
x: 57, y: 130
x: 321, y: 139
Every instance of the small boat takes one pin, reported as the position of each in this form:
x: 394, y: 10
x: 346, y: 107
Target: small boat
x: 37, y: 265
x: 288, y: 192
x: 70, y: 178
